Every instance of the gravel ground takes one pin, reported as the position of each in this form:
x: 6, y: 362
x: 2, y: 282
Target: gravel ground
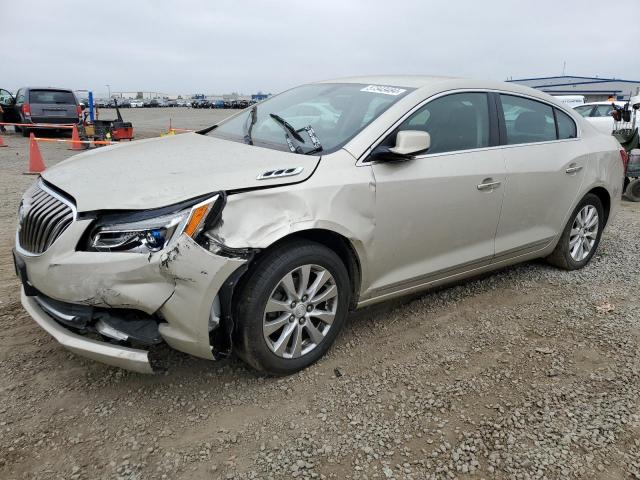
x: 531, y: 372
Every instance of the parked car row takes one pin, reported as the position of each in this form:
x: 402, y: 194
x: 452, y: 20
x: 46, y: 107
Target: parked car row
x: 203, y: 103
x: 161, y: 102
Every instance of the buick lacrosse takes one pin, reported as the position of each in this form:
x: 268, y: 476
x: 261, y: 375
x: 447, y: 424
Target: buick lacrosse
x: 259, y: 234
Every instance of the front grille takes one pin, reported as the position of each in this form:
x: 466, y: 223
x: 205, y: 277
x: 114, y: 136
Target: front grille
x: 44, y: 215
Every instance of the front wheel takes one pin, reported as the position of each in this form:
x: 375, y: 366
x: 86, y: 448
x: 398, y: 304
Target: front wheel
x: 291, y: 307
x: 581, y: 236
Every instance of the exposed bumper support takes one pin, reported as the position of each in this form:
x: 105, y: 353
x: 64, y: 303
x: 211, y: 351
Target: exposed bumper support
x: 123, y: 357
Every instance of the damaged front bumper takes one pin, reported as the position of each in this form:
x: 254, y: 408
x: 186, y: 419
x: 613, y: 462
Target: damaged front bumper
x: 175, y: 287
x: 116, y: 355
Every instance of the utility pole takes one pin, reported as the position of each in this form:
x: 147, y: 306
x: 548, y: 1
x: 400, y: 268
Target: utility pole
x: 564, y: 67
x: 109, y: 90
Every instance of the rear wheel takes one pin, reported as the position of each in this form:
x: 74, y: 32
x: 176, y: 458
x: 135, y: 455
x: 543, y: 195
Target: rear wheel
x: 26, y: 132
x: 291, y: 307
x: 581, y: 235
x: 632, y: 191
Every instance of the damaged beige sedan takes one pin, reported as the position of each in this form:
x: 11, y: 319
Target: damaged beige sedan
x: 258, y: 235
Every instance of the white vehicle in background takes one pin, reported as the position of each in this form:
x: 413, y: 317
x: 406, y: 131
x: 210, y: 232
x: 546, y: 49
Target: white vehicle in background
x: 598, y: 114
x: 137, y: 104
x: 571, y: 100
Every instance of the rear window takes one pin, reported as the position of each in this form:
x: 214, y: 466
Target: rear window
x: 527, y: 121
x: 52, y: 96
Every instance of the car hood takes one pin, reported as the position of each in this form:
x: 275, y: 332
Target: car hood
x: 157, y: 172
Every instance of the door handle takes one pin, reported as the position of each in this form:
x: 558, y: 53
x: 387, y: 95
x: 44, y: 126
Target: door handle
x: 573, y: 168
x: 488, y: 184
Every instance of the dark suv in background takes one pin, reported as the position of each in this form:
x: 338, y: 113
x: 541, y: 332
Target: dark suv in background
x: 43, y: 105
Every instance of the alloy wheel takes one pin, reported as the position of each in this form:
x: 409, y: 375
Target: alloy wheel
x: 300, y: 311
x: 584, y: 233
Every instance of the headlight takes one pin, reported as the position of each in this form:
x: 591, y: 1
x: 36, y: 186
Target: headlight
x: 117, y: 233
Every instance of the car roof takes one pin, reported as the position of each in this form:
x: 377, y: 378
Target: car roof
x: 601, y: 103
x: 410, y: 81
x: 433, y: 83
x: 49, y: 88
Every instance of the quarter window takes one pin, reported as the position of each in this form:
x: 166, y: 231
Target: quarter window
x: 455, y: 122
x: 527, y: 121
x: 566, y: 126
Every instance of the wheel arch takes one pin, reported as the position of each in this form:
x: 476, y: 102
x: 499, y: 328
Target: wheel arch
x: 336, y: 242
x: 604, y: 196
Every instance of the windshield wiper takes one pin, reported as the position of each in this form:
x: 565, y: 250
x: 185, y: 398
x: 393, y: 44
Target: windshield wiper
x: 317, y: 147
x: 287, y: 126
x: 253, y: 118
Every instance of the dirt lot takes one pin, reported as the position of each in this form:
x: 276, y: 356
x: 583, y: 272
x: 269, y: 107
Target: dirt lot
x: 529, y: 373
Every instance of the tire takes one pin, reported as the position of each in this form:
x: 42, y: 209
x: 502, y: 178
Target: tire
x: 259, y: 333
x: 565, y: 255
x: 17, y: 129
x: 632, y: 191
x: 26, y: 132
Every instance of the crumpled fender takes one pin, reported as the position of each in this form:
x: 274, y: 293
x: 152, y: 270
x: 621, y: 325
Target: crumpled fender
x: 340, y: 197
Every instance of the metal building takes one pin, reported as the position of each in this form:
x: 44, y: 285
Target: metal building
x: 594, y: 89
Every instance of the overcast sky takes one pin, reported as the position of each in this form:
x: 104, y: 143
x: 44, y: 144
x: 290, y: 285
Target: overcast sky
x: 244, y: 46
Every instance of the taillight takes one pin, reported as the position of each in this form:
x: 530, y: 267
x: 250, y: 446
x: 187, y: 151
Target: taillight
x: 624, y: 156
x: 79, y: 110
x: 26, y: 109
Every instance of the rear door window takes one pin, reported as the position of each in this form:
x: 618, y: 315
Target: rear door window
x: 602, y: 111
x: 566, y: 126
x: 527, y: 121
x: 584, y: 110
x: 59, y: 97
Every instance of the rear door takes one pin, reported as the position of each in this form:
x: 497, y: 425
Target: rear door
x: 601, y: 118
x: 53, y: 105
x: 545, y: 167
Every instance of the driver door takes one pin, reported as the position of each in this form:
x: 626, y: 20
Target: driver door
x: 437, y: 213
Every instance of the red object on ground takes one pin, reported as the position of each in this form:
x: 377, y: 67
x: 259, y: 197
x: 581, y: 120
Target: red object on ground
x: 123, y: 133
x: 76, y: 137
x: 2, y: 144
x: 36, y: 164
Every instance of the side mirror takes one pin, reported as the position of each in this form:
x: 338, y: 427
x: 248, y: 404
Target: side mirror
x: 408, y: 144
x: 411, y: 142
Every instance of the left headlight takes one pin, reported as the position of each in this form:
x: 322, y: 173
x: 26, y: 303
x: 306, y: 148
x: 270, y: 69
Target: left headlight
x: 120, y: 234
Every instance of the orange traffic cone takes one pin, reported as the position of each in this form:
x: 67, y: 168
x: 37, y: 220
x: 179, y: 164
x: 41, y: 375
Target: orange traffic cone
x: 76, y: 138
x: 2, y: 144
x: 36, y: 164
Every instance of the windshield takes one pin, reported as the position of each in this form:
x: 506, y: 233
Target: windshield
x: 336, y: 112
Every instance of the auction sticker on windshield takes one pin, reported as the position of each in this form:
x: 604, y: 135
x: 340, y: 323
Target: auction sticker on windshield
x: 383, y: 89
